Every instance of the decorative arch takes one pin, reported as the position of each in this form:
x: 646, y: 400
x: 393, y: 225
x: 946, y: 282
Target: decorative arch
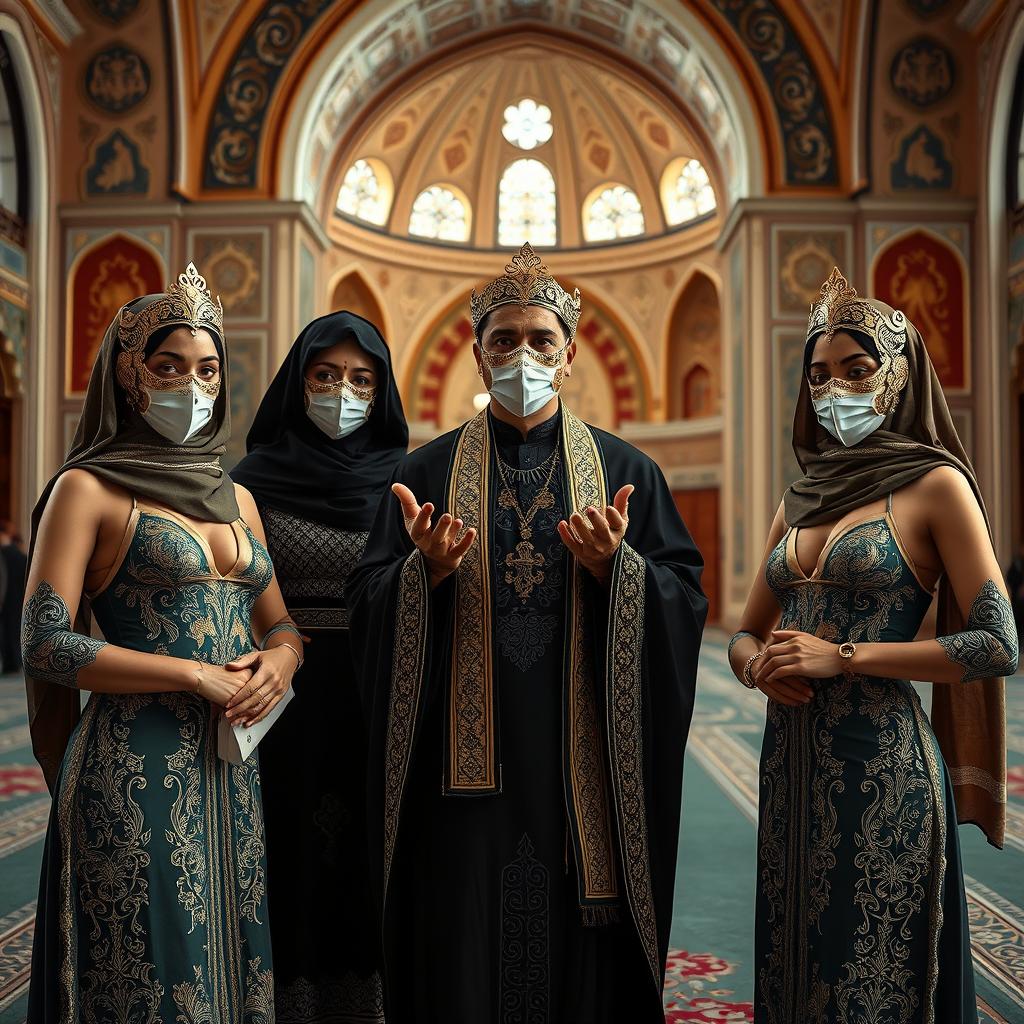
x: 695, y: 351
x: 298, y: 75
x: 353, y: 293
x: 924, y: 276
x: 609, y: 387
x: 104, y: 277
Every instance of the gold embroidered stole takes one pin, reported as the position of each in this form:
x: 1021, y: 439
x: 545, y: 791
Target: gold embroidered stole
x: 471, y: 762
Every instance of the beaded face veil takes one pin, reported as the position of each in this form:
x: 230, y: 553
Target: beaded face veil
x: 187, y: 303
x: 839, y: 308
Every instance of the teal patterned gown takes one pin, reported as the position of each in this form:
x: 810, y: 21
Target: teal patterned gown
x: 152, y: 902
x: 861, y: 914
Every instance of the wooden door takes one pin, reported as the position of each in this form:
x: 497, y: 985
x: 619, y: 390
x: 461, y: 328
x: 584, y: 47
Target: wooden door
x: 699, y: 509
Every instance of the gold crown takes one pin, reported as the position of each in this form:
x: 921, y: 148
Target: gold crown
x: 527, y: 282
x: 839, y: 308
x: 187, y: 302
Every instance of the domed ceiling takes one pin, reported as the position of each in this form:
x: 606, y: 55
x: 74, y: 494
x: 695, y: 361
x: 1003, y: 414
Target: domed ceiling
x: 535, y: 142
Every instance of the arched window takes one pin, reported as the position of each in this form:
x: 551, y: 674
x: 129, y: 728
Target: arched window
x: 440, y: 212
x: 698, y: 398
x: 367, y: 191
x: 13, y: 149
x: 526, y: 205
x: 610, y: 212
x: 527, y: 124
x: 686, y: 191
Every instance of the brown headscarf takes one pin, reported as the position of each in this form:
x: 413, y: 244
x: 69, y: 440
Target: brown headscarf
x: 115, y: 442
x: 916, y: 436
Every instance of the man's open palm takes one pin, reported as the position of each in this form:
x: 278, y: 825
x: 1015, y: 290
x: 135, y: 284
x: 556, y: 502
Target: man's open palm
x: 440, y: 544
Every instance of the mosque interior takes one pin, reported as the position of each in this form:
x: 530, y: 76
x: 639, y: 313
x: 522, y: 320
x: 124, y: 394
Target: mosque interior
x: 695, y: 167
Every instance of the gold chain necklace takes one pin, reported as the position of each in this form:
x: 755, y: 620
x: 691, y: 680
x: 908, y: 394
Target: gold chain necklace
x: 525, y: 564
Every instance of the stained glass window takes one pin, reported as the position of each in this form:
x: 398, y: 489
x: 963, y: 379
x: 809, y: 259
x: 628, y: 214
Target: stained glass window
x: 366, y: 192
x: 527, y: 124
x: 686, y: 191
x: 610, y: 212
x: 440, y: 213
x: 526, y: 205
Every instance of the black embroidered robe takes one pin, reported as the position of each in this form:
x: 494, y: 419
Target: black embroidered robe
x: 527, y: 729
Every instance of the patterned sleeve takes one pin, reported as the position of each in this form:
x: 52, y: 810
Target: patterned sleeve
x: 51, y: 650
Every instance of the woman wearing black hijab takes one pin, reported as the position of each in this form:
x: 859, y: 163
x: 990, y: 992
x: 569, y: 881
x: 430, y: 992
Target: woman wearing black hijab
x: 327, y: 436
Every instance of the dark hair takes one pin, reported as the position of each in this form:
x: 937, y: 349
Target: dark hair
x: 161, y: 334
x: 482, y: 326
x: 865, y: 341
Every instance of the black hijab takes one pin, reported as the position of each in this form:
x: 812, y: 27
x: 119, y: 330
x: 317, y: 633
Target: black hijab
x: 294, y: 467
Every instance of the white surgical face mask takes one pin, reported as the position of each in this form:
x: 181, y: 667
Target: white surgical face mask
x: 338, y: 409
x: 523, y: 380
x: 849, y: 416
x: 179, y: 413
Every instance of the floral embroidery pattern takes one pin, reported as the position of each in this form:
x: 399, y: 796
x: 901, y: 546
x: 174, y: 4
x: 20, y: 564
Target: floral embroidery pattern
x: 823, y: 814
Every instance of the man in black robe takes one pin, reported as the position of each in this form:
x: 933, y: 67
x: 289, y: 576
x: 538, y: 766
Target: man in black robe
x: 528, y: 662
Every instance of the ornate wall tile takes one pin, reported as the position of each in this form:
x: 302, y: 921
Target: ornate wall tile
x: 104, y: 279
x: 117, y: 168
x: 924, y: 277
x: 249, y: 378
x: 787, y: 370
x: 802, y: 258
x: 923, y: 72
x: 921, y: 162
x: 156, y: 237
x: 117, y: 79
x: 233, y: 262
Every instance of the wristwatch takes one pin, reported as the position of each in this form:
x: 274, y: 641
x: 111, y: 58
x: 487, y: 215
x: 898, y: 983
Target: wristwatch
x: 846, y: 652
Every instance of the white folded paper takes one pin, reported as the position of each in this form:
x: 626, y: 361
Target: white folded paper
x: 235, y: 742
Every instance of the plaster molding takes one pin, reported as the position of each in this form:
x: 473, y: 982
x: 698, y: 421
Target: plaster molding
x: 60, y: 19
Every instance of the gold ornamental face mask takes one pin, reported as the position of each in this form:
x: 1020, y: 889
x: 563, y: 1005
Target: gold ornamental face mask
x: 338, y: 409
x: 187, y: 303
x: 525, y: 380
x: 840, y: 309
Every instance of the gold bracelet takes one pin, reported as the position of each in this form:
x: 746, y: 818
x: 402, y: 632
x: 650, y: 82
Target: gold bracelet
x: 748, y: 679
x: 199, y: 676
x: 298, y: 658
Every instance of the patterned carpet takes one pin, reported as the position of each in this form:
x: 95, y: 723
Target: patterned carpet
x: 710, y: 978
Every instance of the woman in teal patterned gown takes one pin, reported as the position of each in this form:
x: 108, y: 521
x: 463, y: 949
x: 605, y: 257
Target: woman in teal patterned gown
x: 152, y: 902
x: 861, y: 911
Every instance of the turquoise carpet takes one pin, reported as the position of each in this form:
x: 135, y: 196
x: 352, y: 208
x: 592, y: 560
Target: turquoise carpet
x: 709, y: 972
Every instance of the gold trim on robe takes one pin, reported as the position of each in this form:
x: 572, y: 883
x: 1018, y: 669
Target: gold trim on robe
x: 472, y: 762
x: 411, y: 611
x: 599, y: 770
x: 625, y: 696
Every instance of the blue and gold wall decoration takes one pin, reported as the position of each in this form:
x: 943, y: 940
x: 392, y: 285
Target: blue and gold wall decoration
x: 921, y: 162
x: 788, y: 72
x: 117, y: 79
x: 232, y: 145
x: 923, y: 72
x: 117, y: 168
